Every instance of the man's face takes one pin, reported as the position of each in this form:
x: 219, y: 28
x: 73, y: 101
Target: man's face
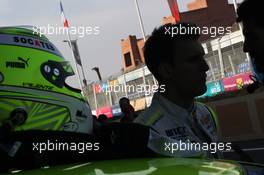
x: 254, y: 43
x: 189, y: 68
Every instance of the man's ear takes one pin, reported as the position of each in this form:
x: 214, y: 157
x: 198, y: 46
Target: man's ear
x: 165, y: 71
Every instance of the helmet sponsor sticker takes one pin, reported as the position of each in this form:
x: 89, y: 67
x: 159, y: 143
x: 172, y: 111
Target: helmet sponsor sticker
x: 30, y: 42
x: 21, y: 63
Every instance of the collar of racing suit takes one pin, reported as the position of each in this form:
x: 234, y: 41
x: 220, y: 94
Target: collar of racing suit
x: 179, y: 113
x: 200, y: 131
x: 172, y: 108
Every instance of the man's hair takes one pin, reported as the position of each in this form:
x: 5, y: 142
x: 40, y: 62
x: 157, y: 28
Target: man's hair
x: 251, y: 10
x: 121, y: 100
x: 159, y: 47
x: 102, y: 117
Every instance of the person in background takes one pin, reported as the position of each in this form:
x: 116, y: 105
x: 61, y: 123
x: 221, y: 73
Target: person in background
x: 127, y: 110
x: 102, y: 118
x: 250, y: 13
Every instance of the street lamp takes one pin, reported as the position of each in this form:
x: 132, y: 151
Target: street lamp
x: 96, y: 69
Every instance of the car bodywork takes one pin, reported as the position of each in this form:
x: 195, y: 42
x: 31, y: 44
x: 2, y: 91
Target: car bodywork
x: 145, y: 166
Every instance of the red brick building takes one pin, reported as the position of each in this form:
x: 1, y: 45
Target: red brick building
x: 197, y: 4
x: 132, y: 53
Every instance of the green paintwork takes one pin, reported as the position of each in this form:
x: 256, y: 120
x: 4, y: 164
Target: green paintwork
x: 40, y: 115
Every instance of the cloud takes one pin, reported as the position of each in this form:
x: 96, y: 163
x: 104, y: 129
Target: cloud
x: 5, y: 7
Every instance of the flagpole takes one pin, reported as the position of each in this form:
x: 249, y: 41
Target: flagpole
x: 140, y: 21
x: 144, y: 38
x: 72, y: 53
x: 84, y: 79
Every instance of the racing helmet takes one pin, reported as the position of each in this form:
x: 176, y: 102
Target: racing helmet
x: 33, y: 91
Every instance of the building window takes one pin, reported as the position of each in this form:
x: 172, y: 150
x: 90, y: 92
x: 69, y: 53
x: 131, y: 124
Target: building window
x: 128, y: 61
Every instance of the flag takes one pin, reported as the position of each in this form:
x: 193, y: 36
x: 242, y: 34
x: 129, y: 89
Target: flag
x: 76, y: 53
x: 97, y: 88
x: 174, y: 9
x: 63, y: 18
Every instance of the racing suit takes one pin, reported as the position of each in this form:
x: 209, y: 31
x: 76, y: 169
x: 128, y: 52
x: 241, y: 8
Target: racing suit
x: 171, y: 124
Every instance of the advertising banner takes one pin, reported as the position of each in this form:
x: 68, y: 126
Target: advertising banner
x: 237, y: 82
x: 213, y: 88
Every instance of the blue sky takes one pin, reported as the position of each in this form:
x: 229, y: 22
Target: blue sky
x: 117, y: 19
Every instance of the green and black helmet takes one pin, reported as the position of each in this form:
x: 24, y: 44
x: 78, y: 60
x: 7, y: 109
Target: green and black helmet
x: 33, y: 91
